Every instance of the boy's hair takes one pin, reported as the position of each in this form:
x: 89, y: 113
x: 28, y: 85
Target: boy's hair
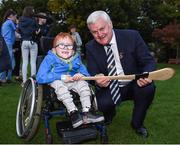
x: 63, y: 35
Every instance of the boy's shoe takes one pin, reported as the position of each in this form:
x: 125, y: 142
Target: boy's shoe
x: 92, y: 118
x: 76, y: 119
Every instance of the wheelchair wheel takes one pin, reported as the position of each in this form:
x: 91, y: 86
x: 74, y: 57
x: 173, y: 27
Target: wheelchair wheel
x: 29, y: 110
x: 93, y: 100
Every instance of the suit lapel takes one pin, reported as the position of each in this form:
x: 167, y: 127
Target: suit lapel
x: 101, y: 57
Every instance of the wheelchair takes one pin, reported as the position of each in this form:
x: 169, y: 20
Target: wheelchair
x: 38, y: 102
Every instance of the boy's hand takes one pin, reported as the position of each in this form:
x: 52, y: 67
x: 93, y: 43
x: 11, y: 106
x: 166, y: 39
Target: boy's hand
x: 66, y: 78
x: 77, y: 76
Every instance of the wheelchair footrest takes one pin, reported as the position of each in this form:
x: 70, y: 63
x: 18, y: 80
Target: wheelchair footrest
x: 70, y: 135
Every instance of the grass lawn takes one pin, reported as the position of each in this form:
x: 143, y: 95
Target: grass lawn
x: 162, y: 120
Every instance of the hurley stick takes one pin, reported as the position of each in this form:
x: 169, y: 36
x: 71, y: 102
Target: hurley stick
x: 161, y: 74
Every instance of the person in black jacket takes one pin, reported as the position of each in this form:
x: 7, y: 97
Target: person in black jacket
x: 44, y: 30
x: 131, y: 56
x: 5, y: 60
x: 17, y: 57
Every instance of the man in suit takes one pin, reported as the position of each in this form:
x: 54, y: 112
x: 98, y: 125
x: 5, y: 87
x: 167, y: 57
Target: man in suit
x: 131, y: 57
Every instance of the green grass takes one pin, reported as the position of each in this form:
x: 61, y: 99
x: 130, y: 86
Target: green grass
x: 162, y: 120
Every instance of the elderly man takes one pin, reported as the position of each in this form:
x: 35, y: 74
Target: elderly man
x: 114, y: 52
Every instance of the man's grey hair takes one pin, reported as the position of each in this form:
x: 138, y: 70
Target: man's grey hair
x: 93, y: 17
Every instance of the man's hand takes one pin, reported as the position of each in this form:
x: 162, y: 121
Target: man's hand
x: 104, y: 82
x: 143, y: 82
x: 77, y: 76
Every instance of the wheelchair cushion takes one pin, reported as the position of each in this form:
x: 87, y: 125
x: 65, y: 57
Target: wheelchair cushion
x: 70, y: 135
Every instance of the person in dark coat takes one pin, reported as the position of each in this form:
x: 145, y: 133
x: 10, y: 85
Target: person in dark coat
x: 17, y: 57
x: 5, y: 60
x: 44, y: 26
x: 131, y: 56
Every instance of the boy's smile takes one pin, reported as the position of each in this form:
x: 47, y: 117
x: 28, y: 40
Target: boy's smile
x: 64, y: 48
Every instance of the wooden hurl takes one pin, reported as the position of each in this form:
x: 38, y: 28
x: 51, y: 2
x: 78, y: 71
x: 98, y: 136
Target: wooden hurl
x: 161, y: 74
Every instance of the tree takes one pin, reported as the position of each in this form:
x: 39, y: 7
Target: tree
x: 156, y: 14
x: 170, y: 34
x: 143, y: 15
x: 123, y: 13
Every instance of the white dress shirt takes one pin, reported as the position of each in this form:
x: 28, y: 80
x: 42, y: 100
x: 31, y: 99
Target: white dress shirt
x: 119, y: 68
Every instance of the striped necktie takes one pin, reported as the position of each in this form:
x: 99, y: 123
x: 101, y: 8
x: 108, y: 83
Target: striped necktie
x: 114, y: 84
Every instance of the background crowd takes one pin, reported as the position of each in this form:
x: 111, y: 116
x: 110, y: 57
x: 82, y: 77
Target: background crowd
x: 23, y: 38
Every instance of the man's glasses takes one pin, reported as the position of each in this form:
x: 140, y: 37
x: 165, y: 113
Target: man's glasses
x: 64, y: 46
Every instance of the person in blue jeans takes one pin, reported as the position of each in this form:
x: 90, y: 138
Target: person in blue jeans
x: 8, y: 33
x: 63, y: 69
x: 28, y: 29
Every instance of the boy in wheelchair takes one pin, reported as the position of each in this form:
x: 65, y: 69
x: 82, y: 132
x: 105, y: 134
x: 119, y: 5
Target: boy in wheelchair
x: 62, y: 69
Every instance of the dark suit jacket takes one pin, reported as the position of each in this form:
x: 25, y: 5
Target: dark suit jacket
x: 133, y: 52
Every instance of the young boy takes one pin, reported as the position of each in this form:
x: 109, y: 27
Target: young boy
x: 62, y: 69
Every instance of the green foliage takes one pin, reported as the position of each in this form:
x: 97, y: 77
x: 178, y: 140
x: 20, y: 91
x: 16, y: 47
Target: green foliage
x: 143, y: 15
x: 170, y: 34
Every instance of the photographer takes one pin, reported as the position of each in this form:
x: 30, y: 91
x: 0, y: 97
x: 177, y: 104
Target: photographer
x: 44, y: 27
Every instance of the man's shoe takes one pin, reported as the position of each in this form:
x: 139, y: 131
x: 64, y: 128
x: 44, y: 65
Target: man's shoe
x: 142, y: 131
x: 76, y: 119
x: 88, y: 117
